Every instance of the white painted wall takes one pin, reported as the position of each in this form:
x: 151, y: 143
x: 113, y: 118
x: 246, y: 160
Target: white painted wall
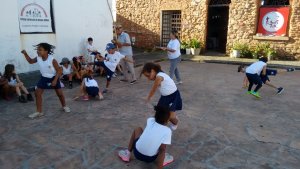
x: 75, y: 21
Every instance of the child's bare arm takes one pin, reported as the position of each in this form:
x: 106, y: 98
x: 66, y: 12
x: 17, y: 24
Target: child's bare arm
x: 264, y: 71
x: 161, y: 156
x: 245, y: 82
x: 58, y: 72
x: 156, y: 84
x: 29, y: 60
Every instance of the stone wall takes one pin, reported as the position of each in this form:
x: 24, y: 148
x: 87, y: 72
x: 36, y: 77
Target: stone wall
x: 242, y: 27
x: 141, y: 18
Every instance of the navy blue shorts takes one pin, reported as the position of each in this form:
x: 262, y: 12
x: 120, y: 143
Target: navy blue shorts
x: 92, y: 91
x: 141, y: 156
x: 45, y: 83
x: 271, y: 72
x: 173, y: 101
x: 264, y: 78
x: 108, y: 72
x: 254, y: 78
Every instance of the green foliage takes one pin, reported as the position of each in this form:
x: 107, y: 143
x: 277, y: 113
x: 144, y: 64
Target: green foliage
x: 184, y: 45
x: 194, y: 43
x: 263, y: 49
x: 256, y: 51
x: 244, y: 49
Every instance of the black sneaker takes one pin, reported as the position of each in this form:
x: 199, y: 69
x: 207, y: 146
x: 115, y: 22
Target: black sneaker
x: 22, y: 99
x: 290, y: 69
x: 105, y: 91
x: 280, y: 90
x: 133, y: 82
x: 29, y: 97
x: 70, y: 85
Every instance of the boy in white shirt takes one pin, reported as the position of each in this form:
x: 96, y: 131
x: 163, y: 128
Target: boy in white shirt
x: 150, y: 144
x: 253, y: 73
x: 91, y: 51
x: 110, y: 62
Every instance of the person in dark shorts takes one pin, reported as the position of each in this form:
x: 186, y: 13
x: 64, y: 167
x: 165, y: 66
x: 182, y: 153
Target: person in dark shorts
x: 150, y: 144
x: 50, y: 73
x: 110, y: 62
x: 170, y: 95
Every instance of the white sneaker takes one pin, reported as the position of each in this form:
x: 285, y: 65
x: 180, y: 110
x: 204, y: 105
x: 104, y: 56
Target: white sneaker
x: 67, y: 109
x: 124, y: 155
x: 168, y: 159
x: 179, y: 82
x: 35, y: 115
x: 173, y: 127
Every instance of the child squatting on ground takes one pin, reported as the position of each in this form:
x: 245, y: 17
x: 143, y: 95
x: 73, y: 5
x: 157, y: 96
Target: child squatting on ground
x: 50, y: 73
x: 15, y: 84
x: 89, y: 87
x: 265, y: 79
x: 170, y: 96
x: 149, y: 145
x: 254, y: 72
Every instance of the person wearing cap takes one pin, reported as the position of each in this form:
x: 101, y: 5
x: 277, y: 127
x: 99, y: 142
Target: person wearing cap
x: 110, y: 62
x: 67, y: 73
x: 124, y: 44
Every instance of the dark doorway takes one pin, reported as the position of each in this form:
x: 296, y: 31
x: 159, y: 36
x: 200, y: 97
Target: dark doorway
x: 217, y: 27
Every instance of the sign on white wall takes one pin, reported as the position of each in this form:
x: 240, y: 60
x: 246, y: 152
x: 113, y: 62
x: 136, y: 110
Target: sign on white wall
x: 35, y: 16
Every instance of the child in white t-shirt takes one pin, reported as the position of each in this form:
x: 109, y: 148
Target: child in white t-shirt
x: 89, y: 86
x: 253, y: 73
x: 170, y: 96
x: 16, y: 84
x: 67, y: 71
x: 110, y: 62
x: 91, y: 51
x: 150, y: 144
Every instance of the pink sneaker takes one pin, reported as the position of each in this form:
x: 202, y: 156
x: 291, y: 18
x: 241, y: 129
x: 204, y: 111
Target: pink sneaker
x: 85, y: 98
x: 168, y: 159
x: 124, y: 155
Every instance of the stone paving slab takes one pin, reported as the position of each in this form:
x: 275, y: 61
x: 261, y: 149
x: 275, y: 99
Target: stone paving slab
x: 220, y: 126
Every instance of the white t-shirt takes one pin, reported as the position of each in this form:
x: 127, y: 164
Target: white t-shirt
x: 12, y: 82
x: 90, y: 47
x: 46, y: 67
x: 68, y: 70
x: 153, y: 136
x: 167, y: 86
x: 90, y: 82
x: 175, y: 45
x: 256, y: 68
x: 113, y: 60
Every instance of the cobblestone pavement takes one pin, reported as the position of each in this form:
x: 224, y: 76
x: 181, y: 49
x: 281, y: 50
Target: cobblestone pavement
x: 220, y: 126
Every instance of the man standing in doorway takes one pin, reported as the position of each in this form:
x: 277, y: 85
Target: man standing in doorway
x: 124, y: 44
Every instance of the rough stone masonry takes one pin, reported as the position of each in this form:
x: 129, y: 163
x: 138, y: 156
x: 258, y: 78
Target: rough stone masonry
x: 142, y: 19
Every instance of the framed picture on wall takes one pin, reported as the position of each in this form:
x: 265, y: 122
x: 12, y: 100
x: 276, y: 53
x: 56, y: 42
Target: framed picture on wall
x: 35, y: 16
x: 273, y: 21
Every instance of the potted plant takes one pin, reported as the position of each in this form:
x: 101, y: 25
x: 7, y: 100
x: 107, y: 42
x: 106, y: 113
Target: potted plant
x: 195, y: 47
x: 183, y: 47
x: 271, y: 53
x: 188, y: 48
x: 236, y: 50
